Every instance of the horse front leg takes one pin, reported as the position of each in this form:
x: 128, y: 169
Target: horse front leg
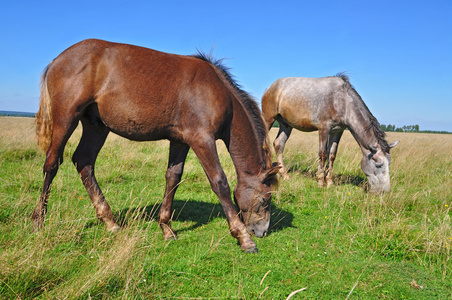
x: 279, y: 144
x: 207, y: 154
x: 176, y: 161
x: 323, y: 155
x: 333, y: 143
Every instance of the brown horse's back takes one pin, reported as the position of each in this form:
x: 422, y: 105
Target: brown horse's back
x: 126, y: 88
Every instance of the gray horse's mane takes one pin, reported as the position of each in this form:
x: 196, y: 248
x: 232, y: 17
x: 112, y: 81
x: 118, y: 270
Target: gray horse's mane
x: 374, y: 125
x: 246, y: 99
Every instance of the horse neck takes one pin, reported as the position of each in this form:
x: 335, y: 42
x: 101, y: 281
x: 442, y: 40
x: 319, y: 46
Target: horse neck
x: 359, y: 122
x: 245, y: 144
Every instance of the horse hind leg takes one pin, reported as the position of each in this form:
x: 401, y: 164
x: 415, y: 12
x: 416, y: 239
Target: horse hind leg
x: 62, y: 130
x: 323, y: 156
x: 93, y: 138
x: 333, y: 143
x: 176, y: 161
x: 40, y: 212
x: 279, y: 144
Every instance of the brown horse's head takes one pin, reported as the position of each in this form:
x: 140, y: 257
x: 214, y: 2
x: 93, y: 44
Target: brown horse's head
x: 376, y: 167
x: 253, y: 197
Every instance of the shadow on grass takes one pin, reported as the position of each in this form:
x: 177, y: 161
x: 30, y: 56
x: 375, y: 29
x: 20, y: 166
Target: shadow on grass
x: 198, y: 213
x: 339, y: 179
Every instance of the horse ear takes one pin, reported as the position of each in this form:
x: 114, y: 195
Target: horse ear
x: 269, y: 173
x: 393, y: 144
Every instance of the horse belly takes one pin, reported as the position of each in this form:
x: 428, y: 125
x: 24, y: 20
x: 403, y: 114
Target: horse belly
x: 298, y: 116
x: 306, y: 125
x: 137, y: 122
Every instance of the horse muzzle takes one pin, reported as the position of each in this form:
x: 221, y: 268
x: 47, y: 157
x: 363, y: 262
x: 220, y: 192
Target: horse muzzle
x: 379, y: 184
x: 259, y: 228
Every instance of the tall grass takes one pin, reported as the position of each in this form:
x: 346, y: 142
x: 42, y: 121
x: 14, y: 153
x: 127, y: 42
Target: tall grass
x: 337, y: 243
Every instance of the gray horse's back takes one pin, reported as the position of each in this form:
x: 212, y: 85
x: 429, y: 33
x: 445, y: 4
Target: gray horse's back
x: 303, y: 103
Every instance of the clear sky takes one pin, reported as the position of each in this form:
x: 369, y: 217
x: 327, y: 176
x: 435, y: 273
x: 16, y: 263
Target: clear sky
x: 398, y: 54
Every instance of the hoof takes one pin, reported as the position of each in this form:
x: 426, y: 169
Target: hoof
x: 168, y: 233
x: 172, y: 237
x: 114, y: 229
x: 286, y: 177
x: 251, y: 250
x: 36, y: 226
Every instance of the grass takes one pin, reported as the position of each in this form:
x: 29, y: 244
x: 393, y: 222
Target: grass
x: 338, y: 243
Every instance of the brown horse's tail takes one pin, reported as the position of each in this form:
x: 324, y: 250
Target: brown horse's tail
x: 44, y: 123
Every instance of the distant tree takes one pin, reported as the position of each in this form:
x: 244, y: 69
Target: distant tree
x: 408, y: 128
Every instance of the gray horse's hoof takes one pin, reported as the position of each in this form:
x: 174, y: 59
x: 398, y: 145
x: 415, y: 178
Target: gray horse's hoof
x: 251, y: 250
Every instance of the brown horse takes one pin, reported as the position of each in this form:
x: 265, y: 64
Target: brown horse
x: 143, y: 95
x: 329, y: 105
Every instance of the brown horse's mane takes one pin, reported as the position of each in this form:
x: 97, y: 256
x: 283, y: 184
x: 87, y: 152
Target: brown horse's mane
x: 247, y: 101
x: 374, y: 125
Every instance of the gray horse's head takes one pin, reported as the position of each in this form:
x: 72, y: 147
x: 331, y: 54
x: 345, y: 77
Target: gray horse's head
x: 375, y: 164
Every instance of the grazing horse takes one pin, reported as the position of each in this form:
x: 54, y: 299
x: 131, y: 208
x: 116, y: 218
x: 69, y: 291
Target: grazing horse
x: 329, y: 105
x: 144, y: 95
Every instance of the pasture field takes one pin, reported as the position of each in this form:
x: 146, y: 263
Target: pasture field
x: 336, y: 243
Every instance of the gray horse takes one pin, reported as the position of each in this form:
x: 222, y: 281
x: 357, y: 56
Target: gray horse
x: 329, y: 105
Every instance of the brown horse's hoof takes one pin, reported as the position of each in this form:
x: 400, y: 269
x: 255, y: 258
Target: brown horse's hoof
x: 36, y: 227
x: 251, y: 250
x: 172, y: 237
x: 168, y: 233
x: 114, y: 229
x: 37, y: 224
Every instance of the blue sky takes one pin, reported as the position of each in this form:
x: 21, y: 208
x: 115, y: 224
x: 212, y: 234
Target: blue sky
x: 398, y: 54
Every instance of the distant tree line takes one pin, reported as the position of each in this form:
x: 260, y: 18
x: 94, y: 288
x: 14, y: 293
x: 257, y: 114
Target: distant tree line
x: 16, y: 114
x: 407, y: 128
x: 393, y: 128
x: 404, y: 128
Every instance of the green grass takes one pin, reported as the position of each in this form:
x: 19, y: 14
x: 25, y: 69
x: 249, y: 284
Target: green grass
x: 338, y: 243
